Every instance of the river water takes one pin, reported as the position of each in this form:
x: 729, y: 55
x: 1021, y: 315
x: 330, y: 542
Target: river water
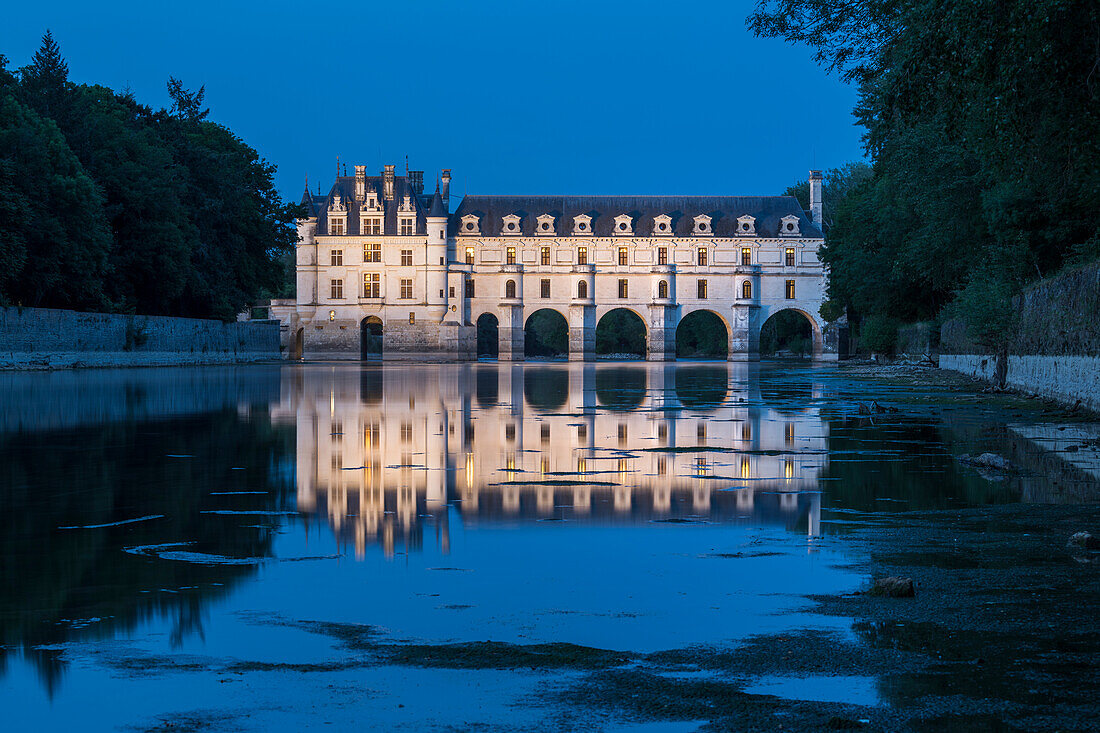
x: 321, y: 545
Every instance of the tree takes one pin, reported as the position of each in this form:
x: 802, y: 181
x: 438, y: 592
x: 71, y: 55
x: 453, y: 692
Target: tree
x: 46, y: 79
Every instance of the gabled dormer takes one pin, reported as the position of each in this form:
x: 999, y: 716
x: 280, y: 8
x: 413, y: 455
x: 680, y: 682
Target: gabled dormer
x: 471, y: 225
x: 371, y: 201
x: 662, y: 225
x: 582, y: 225
x: 624, y: 225
x: 545, y: 225
x: 788, y: 226
x: 406, y: 206
x: 746, y: 225
x: 702, y: 227
x: 510, y: 225
x: 337, y: 216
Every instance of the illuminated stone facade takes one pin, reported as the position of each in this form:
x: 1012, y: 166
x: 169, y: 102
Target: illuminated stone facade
x: 385, y: 270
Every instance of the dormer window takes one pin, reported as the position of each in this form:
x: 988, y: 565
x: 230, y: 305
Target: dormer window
x: 372, y: 202
x: 662, y: 225
x: 788, y: 226
x: 702, y: 226
x: 582, y: 225
x: 470, y: 225
x: 406, y: 204
x: 624, y: 225
x: 337, y: 216
x: 746, y: 225
x: 545, y: 225
x: 510, y: 224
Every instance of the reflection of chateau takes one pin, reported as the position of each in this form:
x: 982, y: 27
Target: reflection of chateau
x: 385, y: 269
x: 380, y: 450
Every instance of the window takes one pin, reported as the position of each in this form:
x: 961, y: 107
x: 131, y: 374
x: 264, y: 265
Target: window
x: 336, y: 226
x: 372, y: 226
x: 406, y: 289
x: 510, y: 289
x: 406, y: 258
x: 582, y: 289
x: 622, y: 289
x: 790, y: 290
x: 622, y: 256
x: 544, y: 255
x: 336, y: 258
x: 701, y: 289
x: 662, y: 255
x: 469, y: 288
x: 371, y: 284
x: 544, y: 289
x: 790, y: 257
x: 702, y: 256
x: 372, y: 252
x: 469, y: 255
x: 406, y: 226
x: 510, y: 256
x: 412, y: 319
x: 746, y: 289
x: 337, y: 292
x: 662, y: 289
x: 582, y: 255
x: 746, y: 256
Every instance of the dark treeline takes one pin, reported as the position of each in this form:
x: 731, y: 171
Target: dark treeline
x: 981, y: 122
x: 107, y: 204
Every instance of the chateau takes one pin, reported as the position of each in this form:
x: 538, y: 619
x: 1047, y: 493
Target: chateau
x: 385, y: 270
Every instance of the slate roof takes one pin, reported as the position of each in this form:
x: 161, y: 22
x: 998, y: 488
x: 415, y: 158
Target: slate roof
x: 345, y: 187
x: 723, y: 210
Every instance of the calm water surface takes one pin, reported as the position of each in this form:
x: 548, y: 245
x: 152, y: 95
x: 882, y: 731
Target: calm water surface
x: 156, y: 522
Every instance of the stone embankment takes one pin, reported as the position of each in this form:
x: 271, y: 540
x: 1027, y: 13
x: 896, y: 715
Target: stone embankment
x: 41, y: 338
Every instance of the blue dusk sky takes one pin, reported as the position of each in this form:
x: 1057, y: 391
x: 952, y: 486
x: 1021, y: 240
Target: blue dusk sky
x: 525, y: 98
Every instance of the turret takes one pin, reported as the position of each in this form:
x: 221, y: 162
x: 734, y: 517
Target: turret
x: 816, y: 180
x: 436, y: 221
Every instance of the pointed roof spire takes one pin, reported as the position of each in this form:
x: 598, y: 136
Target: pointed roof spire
x: 438, y: 208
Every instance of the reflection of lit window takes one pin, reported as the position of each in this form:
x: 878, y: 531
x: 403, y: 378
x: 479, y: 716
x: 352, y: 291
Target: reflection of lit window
x: 469, y: 469
x: 510, y: 433
x: 545, y: 434
x: 582, y: 432
x: 701, y: 466
x: 662, y: 433
x: 582, y: 466
x: 370, y: 436
x: 746, y: 467
x: 746, y: 432
x: 701, y: 433
x: 406, y: 432
x: 544, y: 465
x: 661, y: 466
x: 622, y: 465
x: 788, y: 433
x: 622, y: 433
x: 510, y: 466
x: 788, y: 469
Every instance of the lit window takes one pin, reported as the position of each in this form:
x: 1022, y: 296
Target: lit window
x: 372, y: 252
x: 702, y: 289
x: 662, y: 255
x: 371, y: 284
x: 582, y: 289
x: 790, y: 290
x: 622, y: 256
x: 582, y: 255
x: 746, y: 256
x: 406, y: 289
x: 469, y: 255
x: 406, y: 258
x: 406, y: 226
x: 544, y: 255
x: 702, y: 255
x: 337, y: 257
x: 622, y: 289
x: 510, y: 289
x: 662, y: 289
x: 337, y: 292
x: 746, y: 289
x: 544, y: 288
x: 790, y: 257
x: 510, y: 256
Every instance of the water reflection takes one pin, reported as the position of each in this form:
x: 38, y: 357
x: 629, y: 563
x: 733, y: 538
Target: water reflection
x: 578, y: 442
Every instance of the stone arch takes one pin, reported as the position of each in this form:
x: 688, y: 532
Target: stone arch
x: 546, y: 334
x: 488, y: 335
x: 702, y: 333
x: 621, y: 331
x: 370, y: 338
x: 817, y: 343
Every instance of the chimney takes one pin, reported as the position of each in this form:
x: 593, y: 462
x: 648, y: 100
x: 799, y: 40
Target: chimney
x: 360, y: 183
x: 416, y: 182
x: 387, y: 182
x: 445, y: 191
x: 815, y: 197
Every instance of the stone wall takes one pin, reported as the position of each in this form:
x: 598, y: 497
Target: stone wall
x: 1067, y: 378
x: 41, y: 338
